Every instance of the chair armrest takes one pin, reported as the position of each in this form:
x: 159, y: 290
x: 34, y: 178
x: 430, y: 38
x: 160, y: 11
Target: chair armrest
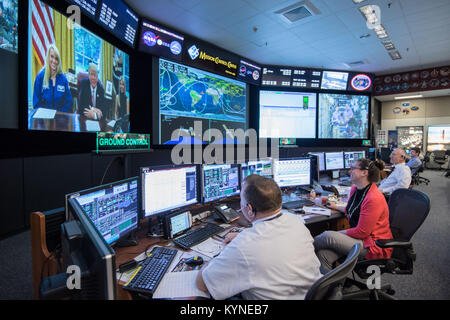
x: 392, y: 243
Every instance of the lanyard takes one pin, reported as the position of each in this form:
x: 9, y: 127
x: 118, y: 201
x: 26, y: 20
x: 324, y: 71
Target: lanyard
x: 352, y: 211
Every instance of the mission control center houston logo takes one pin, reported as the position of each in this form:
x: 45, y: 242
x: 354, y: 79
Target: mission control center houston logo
x: 194, y: 53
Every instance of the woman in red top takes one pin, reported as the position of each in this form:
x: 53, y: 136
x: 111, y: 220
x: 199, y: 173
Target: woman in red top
x: 368, y: 216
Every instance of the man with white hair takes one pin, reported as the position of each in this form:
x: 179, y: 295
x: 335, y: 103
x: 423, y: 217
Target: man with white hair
x: 400, y: 176
x: 91, y: 97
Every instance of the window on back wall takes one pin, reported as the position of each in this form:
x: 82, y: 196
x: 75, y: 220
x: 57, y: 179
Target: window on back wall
x: 88, y: 47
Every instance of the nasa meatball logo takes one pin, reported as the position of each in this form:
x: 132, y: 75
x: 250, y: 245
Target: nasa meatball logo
x: 149, y: 38
x: 361, y: 82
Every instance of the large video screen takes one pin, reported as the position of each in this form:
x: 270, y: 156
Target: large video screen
x: 343, y: 116
x: 438, y: 138
x: 77, y: 82
x: 8, y: 63
x: 287, y: 114
x: 188, y: 95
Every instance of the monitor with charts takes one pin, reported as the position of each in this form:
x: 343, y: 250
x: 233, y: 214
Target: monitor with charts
x: 292, y: 172
x: 334, y: 160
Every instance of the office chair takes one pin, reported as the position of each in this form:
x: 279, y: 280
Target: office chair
x: 329, y: 287
x: 416, y: 179
x: 439, y: 158
x: 408, y: 209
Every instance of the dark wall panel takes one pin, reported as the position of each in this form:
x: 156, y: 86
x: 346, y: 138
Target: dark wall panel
x: 11, y: 196
x: 49, y: 179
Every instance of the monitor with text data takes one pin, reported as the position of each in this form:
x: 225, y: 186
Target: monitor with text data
x: 334, y: 160
x: 353, y: 156
x: 168, y: 188
x: 292, y: 172
x: 321, y: 156
x: 112, y: 208
x: 284, y: 114
x: 219, y: 181
x: 259, y: 167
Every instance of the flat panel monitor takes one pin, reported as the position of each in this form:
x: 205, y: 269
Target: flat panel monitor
x: 192, y: 101
x: 343, y: 116
x: 334, y: 160
x: 321, y: 156
x: 284, y: 114
x: 160, y: 41
x: 259, y: 167
x: 273, y: 76
x: 9, y: 37
x: 351, y: 157
x: 83, y: 61
x: 306, y: 78
x: 438, y: 138
x: 249, y: 72
x: 112, y: 208
x: 220, y: 181
x: 166, y: 189
x: 292, y: 172
x: 334, y: 80
x: 89, y: 7
x: 119, y: 19
x: 84, y: 246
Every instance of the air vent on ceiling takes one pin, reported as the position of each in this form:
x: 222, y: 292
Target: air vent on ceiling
x: 356, y: 63
x: 297, y: 11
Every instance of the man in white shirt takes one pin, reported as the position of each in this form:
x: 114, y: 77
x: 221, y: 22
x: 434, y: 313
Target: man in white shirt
x: 400, y: 176
x: 274, y: 259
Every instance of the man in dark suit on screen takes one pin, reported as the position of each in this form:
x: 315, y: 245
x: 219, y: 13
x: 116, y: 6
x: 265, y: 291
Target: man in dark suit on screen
x: 91, y: 98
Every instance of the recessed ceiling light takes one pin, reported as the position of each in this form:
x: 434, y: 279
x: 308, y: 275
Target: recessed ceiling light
x: 358, y: 1
x: 395, y: 55
x: 388, y: 45
x: 409, y: 97
x: 369, y: 13
x: 380, y: 31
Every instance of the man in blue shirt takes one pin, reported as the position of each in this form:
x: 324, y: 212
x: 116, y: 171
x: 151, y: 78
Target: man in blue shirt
x: 415, y: 163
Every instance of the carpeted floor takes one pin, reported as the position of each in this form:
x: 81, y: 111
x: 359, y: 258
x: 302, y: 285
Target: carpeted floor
x: 431, y: 278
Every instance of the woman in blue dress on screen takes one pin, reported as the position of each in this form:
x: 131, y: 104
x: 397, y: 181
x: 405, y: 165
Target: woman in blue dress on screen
x: 51, y: 87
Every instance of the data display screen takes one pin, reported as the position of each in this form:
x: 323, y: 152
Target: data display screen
x: 292, y: 172
x: 220, y: 181
x: 334, y: 160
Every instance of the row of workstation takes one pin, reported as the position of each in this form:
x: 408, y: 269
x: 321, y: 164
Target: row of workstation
x: 161, y: 205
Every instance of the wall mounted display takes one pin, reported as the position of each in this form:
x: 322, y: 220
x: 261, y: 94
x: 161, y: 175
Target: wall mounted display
x: 413, y: 81
x: 410, y: 137
x: 392, y: 139
x: 438, y: 137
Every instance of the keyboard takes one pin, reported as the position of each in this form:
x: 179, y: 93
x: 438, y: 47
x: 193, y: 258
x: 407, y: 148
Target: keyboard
x: 193, y: 237
x: 151, y: 271
x: 297, y: 204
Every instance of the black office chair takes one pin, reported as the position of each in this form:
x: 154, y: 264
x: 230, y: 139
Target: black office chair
x: 329, y: 287
x: 416, y: 179
x: 408, y: 209
x: 440, y: 157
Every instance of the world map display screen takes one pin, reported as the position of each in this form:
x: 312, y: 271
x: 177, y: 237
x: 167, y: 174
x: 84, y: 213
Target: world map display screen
x: 188, y: 95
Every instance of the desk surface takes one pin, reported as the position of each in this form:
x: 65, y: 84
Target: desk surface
x: 63, y: 121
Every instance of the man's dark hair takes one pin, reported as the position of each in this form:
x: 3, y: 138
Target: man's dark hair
x: 263, y: 194
x: 416, y: 150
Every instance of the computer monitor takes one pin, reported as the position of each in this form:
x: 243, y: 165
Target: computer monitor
x: 351, y: 157
x: 112, y: 208
x: 220, y: 181
x: 334, y: 160
x: 168, y: 188
x: 292, y: 172
x: 315, y: 172
x: 83, y: 247
x: 259, y: 167
x: 321, y: 156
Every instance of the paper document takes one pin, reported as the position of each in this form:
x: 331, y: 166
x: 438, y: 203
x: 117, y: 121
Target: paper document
x: 209, y: 248
x: 43, y: 113
x: 92, y: 126
x: 317, y: 210
x: 179, y: 285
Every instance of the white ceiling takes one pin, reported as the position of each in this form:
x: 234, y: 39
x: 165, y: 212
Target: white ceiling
x: 420, y: 29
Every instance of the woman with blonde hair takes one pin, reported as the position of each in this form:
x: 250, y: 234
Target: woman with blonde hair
x: 122, y: 106
x: 51, y: 87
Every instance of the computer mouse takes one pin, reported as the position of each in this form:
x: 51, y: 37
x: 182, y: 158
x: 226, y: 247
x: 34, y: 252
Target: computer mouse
x: 194, y: 261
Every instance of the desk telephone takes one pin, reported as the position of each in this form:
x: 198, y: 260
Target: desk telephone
x: 226, y: 213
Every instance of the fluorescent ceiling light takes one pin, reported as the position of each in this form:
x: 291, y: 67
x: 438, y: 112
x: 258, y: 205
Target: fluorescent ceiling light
x: 409, y: 97
x: 395, y: 55
x: 370, y: 15
x: 388, y: 45
x: 358, y: 1
x: 380, y: 31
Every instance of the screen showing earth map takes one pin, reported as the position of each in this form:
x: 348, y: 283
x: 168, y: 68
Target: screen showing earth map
x: 343, y: 116
x: 187, y: 95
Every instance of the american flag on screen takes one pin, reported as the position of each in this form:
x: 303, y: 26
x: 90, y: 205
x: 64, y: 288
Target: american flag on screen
x: 43, y: 30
